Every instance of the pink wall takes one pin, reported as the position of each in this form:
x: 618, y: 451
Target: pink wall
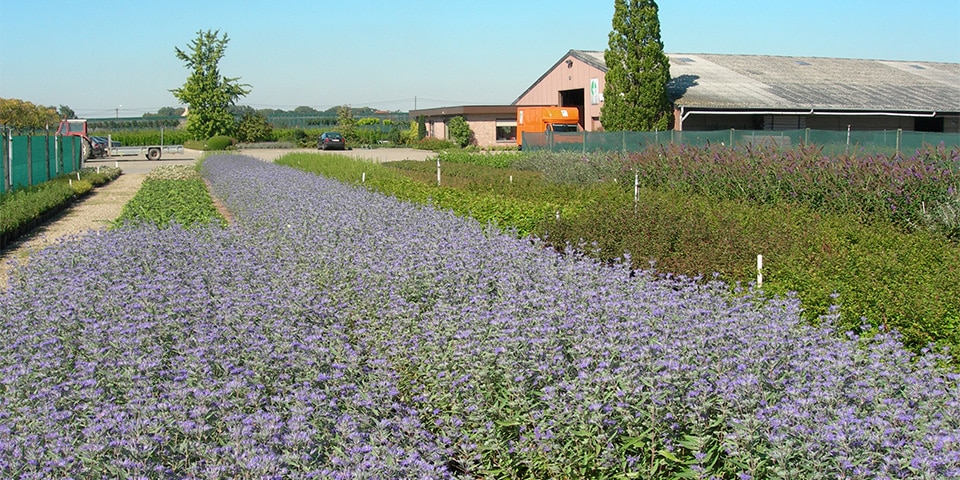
x: 569, y: 74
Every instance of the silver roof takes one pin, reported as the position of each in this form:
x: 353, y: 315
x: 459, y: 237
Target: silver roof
x: 799, y: 83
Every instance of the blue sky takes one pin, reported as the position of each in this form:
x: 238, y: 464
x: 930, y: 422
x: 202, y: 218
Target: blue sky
x: 103, y: 57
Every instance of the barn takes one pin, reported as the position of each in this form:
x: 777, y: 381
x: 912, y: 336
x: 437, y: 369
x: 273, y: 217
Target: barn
x: 747, y: 92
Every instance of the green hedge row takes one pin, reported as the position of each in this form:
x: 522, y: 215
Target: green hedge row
x: 521, y: 206
x: 24, y: 209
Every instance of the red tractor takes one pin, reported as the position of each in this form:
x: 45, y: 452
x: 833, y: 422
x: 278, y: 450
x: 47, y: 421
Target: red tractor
x: 78, y: 128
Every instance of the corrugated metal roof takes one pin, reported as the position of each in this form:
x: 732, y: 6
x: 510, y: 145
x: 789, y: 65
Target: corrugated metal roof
x: 774, y: 82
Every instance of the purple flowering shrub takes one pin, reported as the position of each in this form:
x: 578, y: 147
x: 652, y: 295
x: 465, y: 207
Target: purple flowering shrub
x: 333, y: 332
x: 896, y: 188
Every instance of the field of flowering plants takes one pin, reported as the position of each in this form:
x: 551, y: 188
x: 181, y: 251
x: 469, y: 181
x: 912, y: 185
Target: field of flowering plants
x: 333, y: 332
x: 916, y: 192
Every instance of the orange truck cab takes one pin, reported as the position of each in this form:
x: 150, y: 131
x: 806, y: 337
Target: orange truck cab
x: 544, y: 119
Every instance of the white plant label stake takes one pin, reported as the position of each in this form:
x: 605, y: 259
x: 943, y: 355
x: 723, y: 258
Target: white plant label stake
x: 759, y: 271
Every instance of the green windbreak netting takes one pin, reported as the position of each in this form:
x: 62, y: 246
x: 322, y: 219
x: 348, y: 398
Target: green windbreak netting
x: 832, y: 142
x: 27, y: 160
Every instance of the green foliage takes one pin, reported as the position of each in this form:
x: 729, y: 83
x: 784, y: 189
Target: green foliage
x: 872, y: 188
x: 66, y: 112
x: 173, y: 195
x: 491, y: 159
x: 518, y: 205
x: 24, y: 207
x: 253, y: 127
x: 23, y: 115
x: 421, y: 128
x: 209, y: 94
x: 944, y: 216
x: 369, y: 121
x: 219, y: 142
x: 460, y: 131
x: 135, y: 138
x: 434, y: 144
x: 878, y: 274
x: 410, y: 135
x: 346, y: 124
x: 575, y: 168
x: 20, y: 208
x: 635, y: 88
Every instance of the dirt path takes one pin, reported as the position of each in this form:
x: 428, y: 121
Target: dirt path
x: 95, y: 211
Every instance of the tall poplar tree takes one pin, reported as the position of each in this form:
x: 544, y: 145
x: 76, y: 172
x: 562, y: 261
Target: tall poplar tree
x: 635, y: 91
x: 208, y: 94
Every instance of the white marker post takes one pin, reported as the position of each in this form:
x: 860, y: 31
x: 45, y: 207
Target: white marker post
x: 438, y: 171
x: 636, y: 191
x: 759, y: 271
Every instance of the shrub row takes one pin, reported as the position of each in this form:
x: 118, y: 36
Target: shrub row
x: 171, y: 195
x: 522, y: 211
x: 920, y: 192
x: 339, y: 333
x: 880, y: 275
x: 24, y: 209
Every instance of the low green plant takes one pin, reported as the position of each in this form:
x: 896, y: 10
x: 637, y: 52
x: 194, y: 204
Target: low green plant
x: 487, y: 159
x: 434, y: 144
x: 219, y: 142
x: 171, y: 195
x: 23, y: 207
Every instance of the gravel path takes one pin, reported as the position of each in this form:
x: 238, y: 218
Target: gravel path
x: 95, y: 211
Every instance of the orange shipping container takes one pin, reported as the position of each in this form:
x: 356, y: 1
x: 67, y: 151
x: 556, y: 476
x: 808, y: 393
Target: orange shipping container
x: 542, y: 119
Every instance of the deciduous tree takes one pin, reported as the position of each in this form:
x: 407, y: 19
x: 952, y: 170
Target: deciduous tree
x: 253, y: 127
x: 208, y: 94
x: 635, y: 91
x: 20, y: 114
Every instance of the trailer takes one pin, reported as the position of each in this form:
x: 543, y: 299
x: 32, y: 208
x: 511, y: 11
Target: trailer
x: 93, y: 147
x: 152, y: 152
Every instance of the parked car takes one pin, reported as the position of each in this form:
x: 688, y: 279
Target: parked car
x: 331, y: 140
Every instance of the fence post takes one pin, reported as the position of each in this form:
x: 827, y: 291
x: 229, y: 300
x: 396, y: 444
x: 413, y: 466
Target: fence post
x: 57, y: 153
x: 846, y: 148
x: 46, y: 144
x: 731, y: 137
x: 6, y: 159
x: 899, y: 136
x: 29, y: 160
